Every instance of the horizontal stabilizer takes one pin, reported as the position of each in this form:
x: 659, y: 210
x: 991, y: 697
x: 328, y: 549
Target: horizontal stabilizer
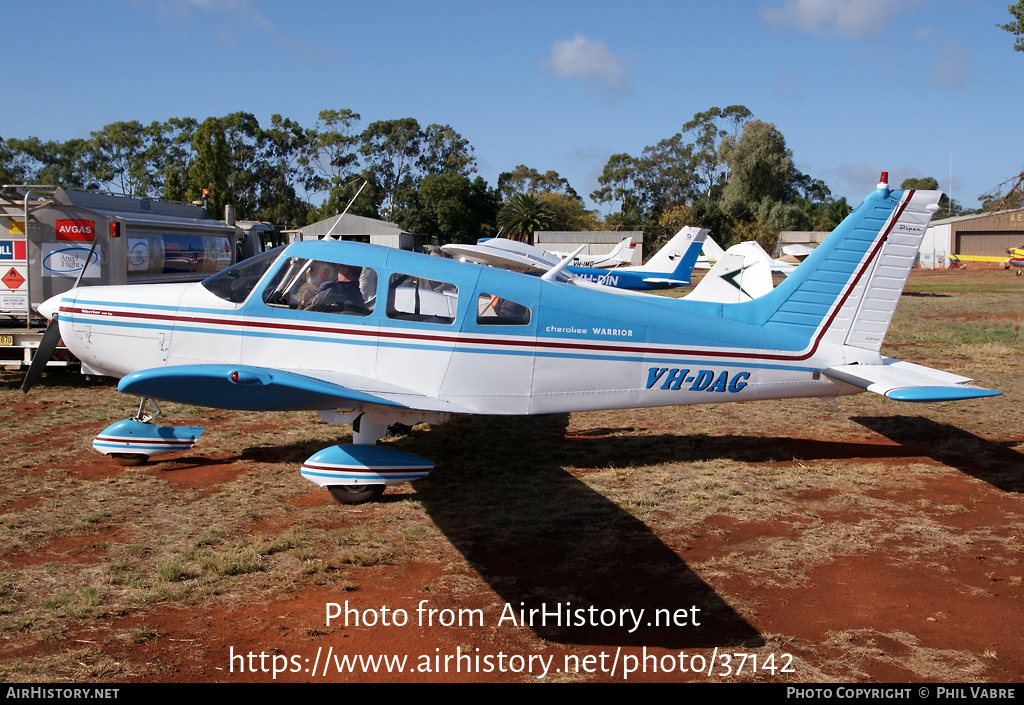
x: 661, y: 282
x: 905, y: 381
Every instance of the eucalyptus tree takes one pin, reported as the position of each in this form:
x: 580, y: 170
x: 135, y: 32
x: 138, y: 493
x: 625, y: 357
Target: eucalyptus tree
x: 525, y: 179
x: 174, y: 155
x: 58, y: 163
x: 708, y: 130
x: 212, y: 166
x: 390, y: 149
x: 760, y: 165
x: 332, y: 150
x: 286, y: 150
x: 444, y: 150
x: 1016, y: 26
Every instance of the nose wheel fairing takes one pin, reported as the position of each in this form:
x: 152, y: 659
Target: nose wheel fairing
x: 133, y: 437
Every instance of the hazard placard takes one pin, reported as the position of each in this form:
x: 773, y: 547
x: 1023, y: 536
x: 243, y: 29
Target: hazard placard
x: 13, y: 279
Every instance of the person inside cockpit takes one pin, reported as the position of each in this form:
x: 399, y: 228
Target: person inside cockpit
x: 341, y: 294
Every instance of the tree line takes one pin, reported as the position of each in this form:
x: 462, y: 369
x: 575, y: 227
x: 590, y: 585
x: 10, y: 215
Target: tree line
x: 723, y: 170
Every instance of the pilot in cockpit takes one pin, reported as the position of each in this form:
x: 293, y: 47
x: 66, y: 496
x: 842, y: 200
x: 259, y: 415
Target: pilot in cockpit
x: 341, y: 294
x: 317, y: 274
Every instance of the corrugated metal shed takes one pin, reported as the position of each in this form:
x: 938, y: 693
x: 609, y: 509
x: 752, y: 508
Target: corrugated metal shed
x: 981, y: 234
x: 598, y: 242
x: 797, y: 237
x: 357, y: 227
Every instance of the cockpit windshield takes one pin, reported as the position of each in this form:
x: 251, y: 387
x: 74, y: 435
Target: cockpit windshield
x: 235, y: 283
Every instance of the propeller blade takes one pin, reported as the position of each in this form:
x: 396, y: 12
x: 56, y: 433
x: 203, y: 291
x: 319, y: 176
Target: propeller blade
x: 43, y: 354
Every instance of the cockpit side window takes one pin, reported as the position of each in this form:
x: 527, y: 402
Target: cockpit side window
x: 235, y: 283
x: 326, y: 287
x: 492, y: 310
x: 412, y: 298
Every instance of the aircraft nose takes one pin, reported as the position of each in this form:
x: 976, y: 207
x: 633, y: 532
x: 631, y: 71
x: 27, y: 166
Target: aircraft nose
x: 50, y: 306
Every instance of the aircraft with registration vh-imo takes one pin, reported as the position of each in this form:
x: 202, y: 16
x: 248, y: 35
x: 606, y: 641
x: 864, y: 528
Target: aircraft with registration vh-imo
x: 621, y: 254
x: 375, y: 336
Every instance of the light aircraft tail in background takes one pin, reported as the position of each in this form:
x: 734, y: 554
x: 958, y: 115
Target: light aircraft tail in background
x: 709, y: 254
x: 622, y: 254
x: 400, y: 337
x: 742, y: 273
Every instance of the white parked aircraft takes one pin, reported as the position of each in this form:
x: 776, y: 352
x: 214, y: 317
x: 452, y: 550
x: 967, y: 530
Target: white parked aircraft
x: 376, y: 336
x: 620, y: 255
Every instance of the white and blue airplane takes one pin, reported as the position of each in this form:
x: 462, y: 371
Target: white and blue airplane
x: 375, y: 336
x: 670, y: 267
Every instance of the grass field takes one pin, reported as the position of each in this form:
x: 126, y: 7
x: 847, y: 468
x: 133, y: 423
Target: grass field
x: 870, y: 541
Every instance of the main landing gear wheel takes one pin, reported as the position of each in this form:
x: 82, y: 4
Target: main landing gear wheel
x: 355, y: 494
x: 130, y: 460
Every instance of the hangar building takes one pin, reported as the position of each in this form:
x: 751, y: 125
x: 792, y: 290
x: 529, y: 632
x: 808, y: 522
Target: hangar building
x: 983, y: 234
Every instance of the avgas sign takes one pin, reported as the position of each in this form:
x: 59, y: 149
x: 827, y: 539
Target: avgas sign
x: 76, y: 230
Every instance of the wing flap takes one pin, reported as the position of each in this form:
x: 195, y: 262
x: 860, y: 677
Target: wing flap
x: 905, y: 381
x: 249, y: 388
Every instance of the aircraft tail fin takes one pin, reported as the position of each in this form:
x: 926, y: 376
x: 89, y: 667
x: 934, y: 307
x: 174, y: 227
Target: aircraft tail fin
x: 679, y: 254
x: 712, y: 250
x: 623, y: 252
x: 846, y: 291
x: 742, y: 273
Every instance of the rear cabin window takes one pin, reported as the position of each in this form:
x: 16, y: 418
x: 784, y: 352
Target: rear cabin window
x: 412, y: 298
x: 326, y: 287
x: 492, y: 310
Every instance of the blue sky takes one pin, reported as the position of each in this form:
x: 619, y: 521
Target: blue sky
x: 855, y: 86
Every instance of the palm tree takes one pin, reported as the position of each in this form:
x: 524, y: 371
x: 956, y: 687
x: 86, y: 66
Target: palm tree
x: 522, y: 215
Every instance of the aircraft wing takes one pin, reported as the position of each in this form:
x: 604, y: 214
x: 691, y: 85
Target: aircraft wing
x: 264, y: 389
x: 905, y: 381
x: 978, y: 258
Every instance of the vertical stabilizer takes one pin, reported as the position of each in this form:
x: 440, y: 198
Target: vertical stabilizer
x: 846, y: 291
x: 678, y: 252
x: 742, y: 273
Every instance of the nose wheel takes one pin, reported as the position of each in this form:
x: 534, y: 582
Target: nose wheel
x: 355, y: 494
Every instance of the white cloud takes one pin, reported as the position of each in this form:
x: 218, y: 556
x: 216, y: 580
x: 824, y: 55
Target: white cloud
x: 231, y: 19
x: 590, y: 59
x: 845, y: 18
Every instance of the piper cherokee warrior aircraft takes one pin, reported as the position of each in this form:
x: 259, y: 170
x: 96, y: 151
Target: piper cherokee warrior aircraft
x: 300, y: 328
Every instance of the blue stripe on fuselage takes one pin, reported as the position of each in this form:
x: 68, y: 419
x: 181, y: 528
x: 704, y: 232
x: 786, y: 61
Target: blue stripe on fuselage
x: 601, y: 325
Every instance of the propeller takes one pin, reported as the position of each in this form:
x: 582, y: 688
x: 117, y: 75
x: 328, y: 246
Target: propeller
x: 44, y: 352
x: 51, y: 336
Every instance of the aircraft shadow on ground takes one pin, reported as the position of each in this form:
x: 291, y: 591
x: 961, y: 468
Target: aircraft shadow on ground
x: 994, y: 462
x: 542, y: 538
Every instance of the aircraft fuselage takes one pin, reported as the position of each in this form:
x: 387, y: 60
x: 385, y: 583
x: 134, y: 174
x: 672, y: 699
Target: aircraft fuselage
x: 484, y: 339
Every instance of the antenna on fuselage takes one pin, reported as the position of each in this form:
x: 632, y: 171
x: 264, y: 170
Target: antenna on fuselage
x: 557, y: 269
x: 328, y: 235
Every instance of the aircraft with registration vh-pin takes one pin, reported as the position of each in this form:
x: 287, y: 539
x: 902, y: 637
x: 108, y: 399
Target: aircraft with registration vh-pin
x: 375, y: 336
x: 670, y: 267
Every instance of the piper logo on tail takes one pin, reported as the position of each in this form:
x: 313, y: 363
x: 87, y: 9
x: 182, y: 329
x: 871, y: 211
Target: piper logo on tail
x: 699, y: 381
